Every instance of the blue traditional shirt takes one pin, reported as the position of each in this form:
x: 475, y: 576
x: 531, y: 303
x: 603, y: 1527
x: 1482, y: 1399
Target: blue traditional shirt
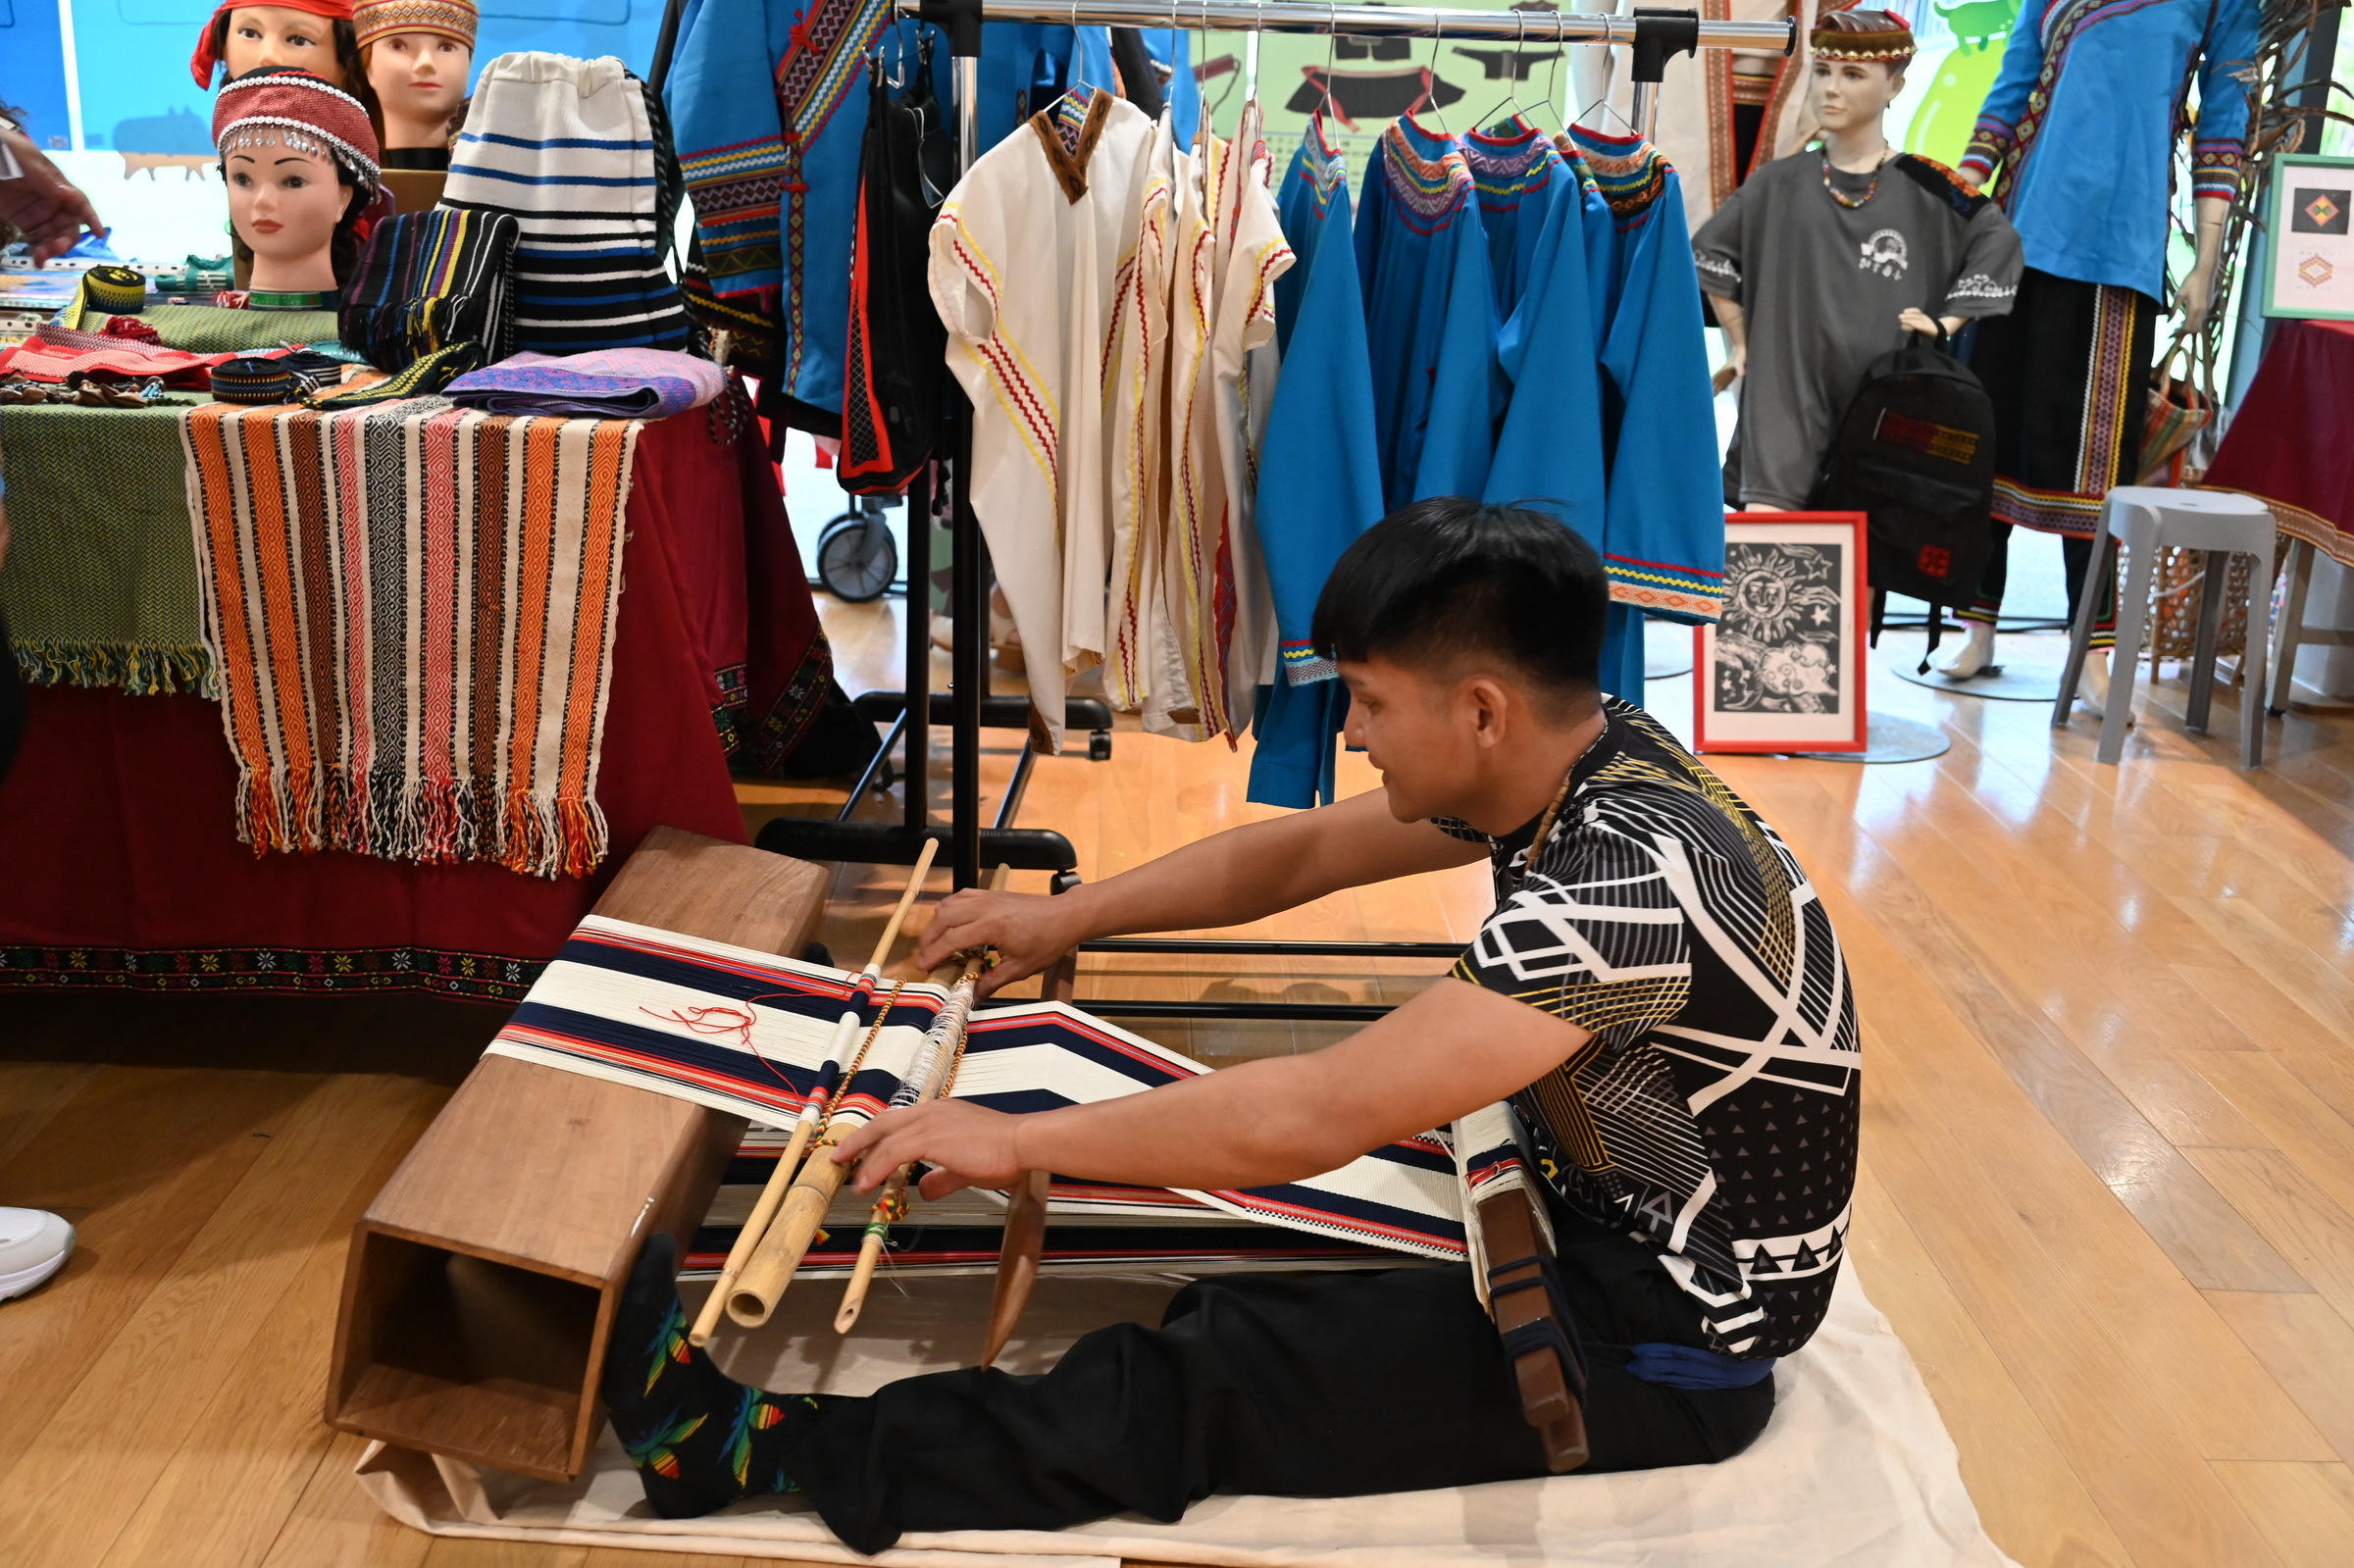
x: 1549, y: 452
x: 1422, y: 261
x: 1663, y: 524
x: 2082, y: 121
x: 1314, y: 505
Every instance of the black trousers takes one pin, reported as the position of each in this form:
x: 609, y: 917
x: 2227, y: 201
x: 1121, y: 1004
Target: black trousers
x: 1309, y: 1386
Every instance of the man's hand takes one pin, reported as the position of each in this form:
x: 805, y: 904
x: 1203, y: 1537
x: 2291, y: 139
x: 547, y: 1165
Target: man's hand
x: 971, y: 1146
x: 47, y: 206
x: 1028, y: 930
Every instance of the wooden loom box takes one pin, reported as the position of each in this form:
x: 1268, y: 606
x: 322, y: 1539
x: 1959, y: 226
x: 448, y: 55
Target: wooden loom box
x: 483, y: 1279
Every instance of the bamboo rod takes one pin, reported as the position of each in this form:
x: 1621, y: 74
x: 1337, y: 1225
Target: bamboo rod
x: 805, y: 1126
x: 780, y: 1253
x: 934, y: 1082
x: 1313, y: 17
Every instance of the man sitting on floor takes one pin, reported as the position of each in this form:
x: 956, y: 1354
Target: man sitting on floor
x: 1659, y: 992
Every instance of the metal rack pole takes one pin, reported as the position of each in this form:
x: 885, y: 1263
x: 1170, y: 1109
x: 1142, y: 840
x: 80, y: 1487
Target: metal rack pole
x: 1417, y: 21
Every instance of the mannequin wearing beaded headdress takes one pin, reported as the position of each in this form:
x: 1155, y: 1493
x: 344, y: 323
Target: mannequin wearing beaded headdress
x: 1821, y: 263
x: 300, y: 159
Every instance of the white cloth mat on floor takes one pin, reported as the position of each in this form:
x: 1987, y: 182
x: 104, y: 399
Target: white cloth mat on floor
x: 1856, y: 1470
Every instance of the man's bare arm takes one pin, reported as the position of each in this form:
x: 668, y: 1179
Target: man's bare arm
x: 1451, y: 1051
x: 1241, y: 874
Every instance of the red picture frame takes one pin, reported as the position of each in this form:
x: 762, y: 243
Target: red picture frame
x: 1785, y: 668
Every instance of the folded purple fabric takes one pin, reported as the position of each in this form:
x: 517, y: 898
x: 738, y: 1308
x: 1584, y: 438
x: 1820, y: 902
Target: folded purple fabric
x: 608, y: 383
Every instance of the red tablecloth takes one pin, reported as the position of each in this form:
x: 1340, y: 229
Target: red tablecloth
x: 2291, y: 444
x: 120, y: 864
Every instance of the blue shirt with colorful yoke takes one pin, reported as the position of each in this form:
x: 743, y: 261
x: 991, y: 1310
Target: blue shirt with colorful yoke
x: 1311, y: 511
x: 2083, y: 120
x: 1422, y: 261
x: 1663, y: 524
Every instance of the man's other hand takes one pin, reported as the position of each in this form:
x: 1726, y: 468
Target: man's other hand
x: 1028, y: 930
x: 967, y: 1145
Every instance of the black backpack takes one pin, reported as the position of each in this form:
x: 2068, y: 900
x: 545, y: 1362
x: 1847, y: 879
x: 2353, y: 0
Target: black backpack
x: 1915, y: 454
x: 893, y: 370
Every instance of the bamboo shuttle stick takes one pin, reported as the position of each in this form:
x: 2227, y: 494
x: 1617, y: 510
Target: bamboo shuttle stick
x: 805, y: 1126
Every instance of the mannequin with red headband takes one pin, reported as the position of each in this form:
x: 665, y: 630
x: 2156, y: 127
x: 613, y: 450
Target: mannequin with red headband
x: 313, y: 36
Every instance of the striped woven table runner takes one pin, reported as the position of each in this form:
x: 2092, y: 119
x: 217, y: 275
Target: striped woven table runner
x: 410, y: 611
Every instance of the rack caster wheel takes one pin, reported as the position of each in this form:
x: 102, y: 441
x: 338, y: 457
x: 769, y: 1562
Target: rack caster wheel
x: 1065, y: 881
x: 1099, y: 746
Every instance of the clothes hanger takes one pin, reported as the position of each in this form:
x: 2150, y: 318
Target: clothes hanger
x: 1332, y: 39
x: 1508, y: 110
x: 1610, y: 36
x: 1430, y: 92
x: 1258, y: 16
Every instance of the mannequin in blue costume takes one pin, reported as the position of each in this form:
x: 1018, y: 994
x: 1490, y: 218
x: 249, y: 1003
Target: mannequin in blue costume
x: 1663, y: 524
x: 1314, y: 505
x: 1422, y: 260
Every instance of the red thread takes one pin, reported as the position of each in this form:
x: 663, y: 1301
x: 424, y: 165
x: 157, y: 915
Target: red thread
x: 738, y: 1021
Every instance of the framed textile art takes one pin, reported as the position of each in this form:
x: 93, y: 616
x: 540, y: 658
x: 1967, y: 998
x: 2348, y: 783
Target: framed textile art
x: 2309, y: 258
x: 1783, y: 670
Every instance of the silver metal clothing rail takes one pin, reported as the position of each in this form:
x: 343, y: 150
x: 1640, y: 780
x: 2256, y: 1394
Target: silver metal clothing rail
x: 1413, y: 21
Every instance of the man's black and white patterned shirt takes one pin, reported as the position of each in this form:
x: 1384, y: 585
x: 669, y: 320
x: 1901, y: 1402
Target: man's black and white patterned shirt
x: 1713, y: 1114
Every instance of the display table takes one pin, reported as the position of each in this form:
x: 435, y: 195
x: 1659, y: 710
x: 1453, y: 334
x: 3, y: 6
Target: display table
x: 2292, y: 443
x: 120, y: 865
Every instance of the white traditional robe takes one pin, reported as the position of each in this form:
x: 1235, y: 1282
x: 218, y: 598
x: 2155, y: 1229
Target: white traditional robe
x: 1025, y: 259
x: 1135, y: 404
x: 1219, y: 620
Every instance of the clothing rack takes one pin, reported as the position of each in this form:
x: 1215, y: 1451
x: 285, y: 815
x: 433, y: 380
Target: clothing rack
x: 1652, y: 35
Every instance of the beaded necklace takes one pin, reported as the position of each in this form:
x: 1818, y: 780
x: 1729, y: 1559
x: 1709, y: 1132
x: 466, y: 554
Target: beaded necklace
x: 1840, y: 196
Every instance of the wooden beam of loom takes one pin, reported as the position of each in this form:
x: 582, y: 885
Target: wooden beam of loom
x: 483, y: 1280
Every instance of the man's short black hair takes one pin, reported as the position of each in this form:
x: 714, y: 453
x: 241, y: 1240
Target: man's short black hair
x: 1450, y: 580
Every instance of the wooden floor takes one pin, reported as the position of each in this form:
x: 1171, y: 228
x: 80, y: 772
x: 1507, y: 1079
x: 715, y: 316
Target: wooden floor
x: 2109, y: 1147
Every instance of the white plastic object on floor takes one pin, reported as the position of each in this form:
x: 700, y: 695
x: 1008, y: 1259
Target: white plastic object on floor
x: 2145, y: 521
x: 33, y: 1245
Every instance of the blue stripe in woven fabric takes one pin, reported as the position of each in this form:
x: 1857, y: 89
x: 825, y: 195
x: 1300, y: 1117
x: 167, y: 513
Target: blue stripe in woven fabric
x: 530, y: 145
x: 482, y: 172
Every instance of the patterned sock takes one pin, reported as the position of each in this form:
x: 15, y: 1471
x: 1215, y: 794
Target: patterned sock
x: 700, y: 1439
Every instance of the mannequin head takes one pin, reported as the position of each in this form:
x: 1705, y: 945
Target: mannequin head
x: 285, y: 202
x: 419, y: 56
x: 1859, y: 68
x: 300, y: 159
x: 313, y: 36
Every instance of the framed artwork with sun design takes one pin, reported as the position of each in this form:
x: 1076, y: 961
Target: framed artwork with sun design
x: 2309, y: 261
x: 1783, y: 668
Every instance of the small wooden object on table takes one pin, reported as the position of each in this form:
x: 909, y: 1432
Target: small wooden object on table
x: 483, y: 1279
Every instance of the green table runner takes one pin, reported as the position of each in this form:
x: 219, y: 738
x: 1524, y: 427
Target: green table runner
x: 100, y: 580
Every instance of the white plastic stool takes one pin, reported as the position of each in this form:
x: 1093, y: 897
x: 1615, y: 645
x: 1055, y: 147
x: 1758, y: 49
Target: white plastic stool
x: 2146, y: 520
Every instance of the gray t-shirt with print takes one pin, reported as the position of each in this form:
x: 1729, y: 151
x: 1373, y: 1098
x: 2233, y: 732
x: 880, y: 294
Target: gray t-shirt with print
x: 1822, y: 284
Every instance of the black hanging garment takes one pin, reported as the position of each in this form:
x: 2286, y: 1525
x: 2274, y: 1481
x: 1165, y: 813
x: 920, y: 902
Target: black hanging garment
x: 1915, y: 454
x: 894, y: 367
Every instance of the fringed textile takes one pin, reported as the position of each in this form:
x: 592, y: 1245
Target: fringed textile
x: 412, y: 610
x: 101, y: 588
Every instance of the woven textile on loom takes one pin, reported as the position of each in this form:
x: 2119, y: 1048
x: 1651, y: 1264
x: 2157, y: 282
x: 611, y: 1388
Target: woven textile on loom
x: 99, y: 583
x: 429, y: 279
x: 747, y: 1033
x: 411, y: 611
x: 569, y: 147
